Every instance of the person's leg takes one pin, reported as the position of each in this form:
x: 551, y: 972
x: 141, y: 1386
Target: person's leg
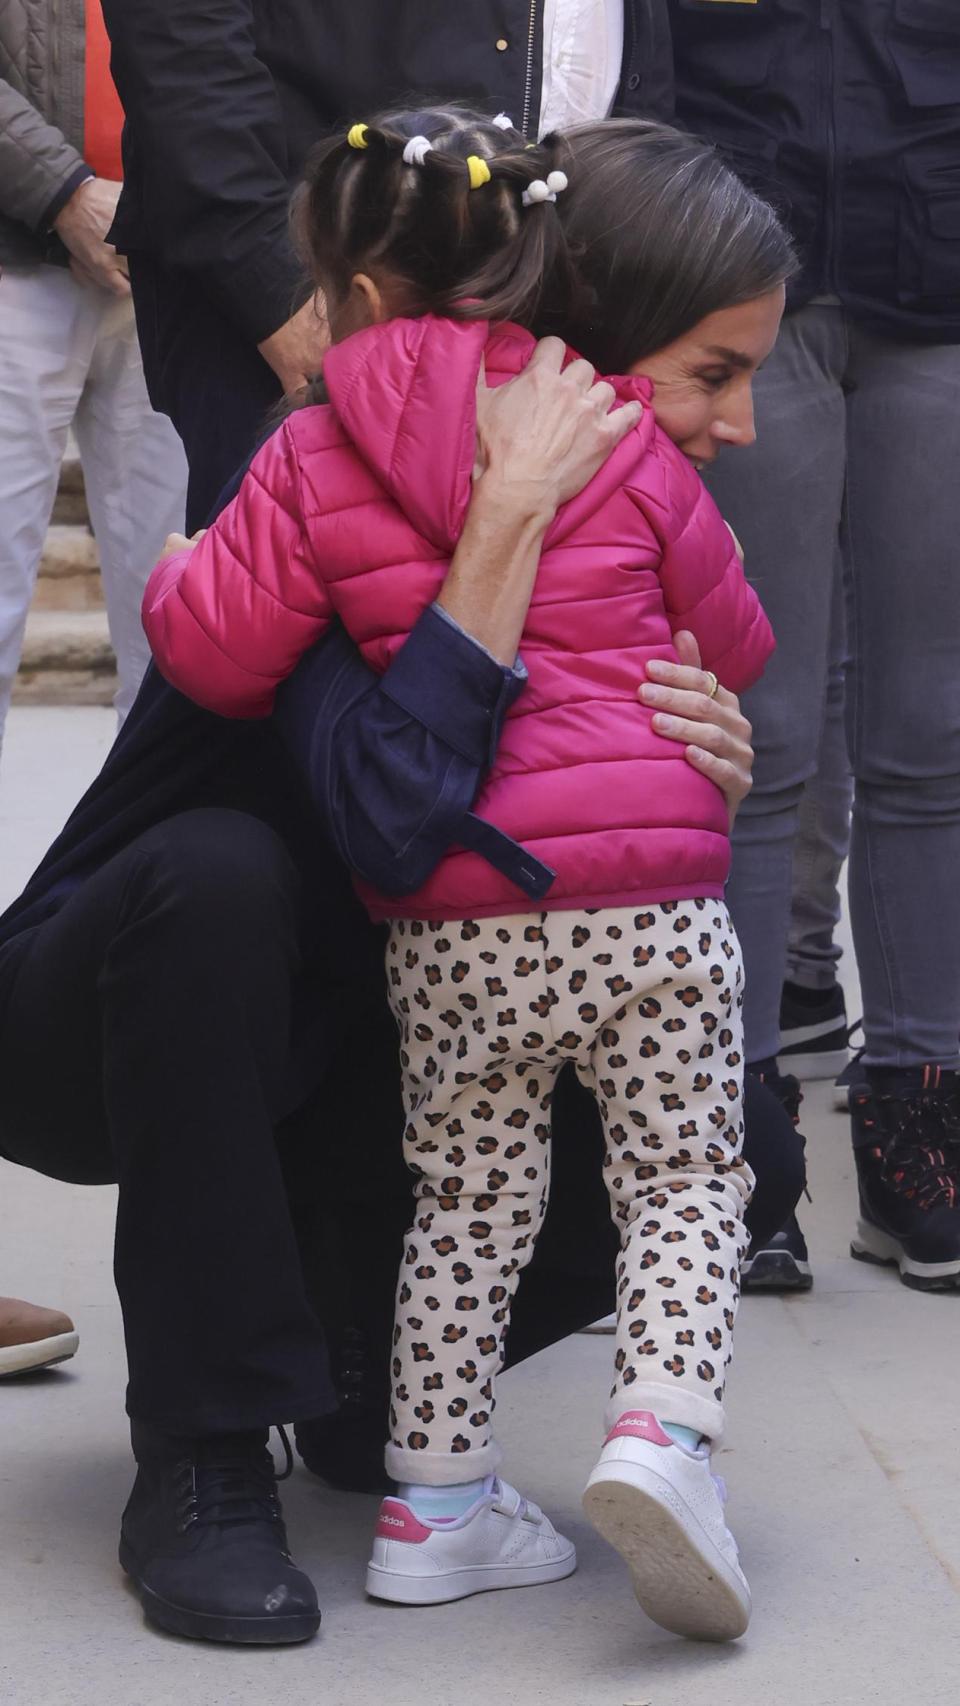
x: 477, y: 1141
x: 783, y: 497
x: 651, y: 1003
x: 136, y: 480
x: 477, y: 1081
x: 46, y: 339
x: 823, y: 838
x: 813, y: 1016
x: 668, y: 1068
x: 903, y: 515
x: 217, y: 389
x: 162, y: 991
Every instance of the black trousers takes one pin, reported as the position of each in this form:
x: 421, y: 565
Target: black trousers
x: 169, y: 1029
x: 216, y: 388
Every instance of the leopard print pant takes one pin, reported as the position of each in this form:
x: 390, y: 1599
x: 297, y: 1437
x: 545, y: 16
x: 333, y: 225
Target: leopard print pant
x: 646, y: 1002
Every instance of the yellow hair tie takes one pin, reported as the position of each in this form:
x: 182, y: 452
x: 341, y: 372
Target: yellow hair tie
x: 357, y: 136
x: 479, y: 171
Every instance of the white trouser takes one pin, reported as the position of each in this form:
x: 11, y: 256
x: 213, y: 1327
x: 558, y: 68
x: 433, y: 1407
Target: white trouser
x: 69, y: 357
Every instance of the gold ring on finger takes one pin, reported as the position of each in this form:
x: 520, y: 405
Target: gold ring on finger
x: 714, y: 685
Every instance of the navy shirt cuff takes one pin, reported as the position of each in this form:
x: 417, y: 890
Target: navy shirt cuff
x: 452, y: 685
x: 80, y: 175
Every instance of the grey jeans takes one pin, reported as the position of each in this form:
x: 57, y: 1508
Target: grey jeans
x: 823, y: 830
x: 858, y: 447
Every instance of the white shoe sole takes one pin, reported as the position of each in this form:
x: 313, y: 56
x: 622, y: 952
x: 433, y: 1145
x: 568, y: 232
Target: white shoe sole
x: 680, y: 1578
x: 870, y: 1244
x: 405, y: 1589
x: 813, y: 1066
x: 42, y: 1353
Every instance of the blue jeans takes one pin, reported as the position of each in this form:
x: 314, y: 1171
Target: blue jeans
x: 858, y: 450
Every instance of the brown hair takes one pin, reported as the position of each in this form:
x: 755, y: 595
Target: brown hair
x: 653, y: 232
x: 444, y: 247
x: 662, y: 233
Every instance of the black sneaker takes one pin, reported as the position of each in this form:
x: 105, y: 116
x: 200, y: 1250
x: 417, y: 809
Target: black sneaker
x: 854, y: 1074
x: 345, y: 1449
x: 907, y: 1151
x: 813, y: 1031
x: 203, y: 1539
x: 782, y: 1263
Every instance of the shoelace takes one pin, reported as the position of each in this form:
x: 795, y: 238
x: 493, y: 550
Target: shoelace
x: 234, y: 1488
x: 918, y: 1148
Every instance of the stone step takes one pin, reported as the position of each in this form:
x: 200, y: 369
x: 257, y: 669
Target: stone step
x: 70, y: 504
x: 69, y: 577
x: 67, y: 659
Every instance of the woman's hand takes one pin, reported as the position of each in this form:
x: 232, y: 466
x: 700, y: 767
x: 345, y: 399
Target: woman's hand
x: 178, y: 542
x: 542, y: 436
x: 717, y: 734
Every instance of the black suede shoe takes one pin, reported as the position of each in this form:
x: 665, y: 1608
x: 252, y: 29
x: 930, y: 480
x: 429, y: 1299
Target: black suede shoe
x: 782, y: 1263
x: 813, y: 1031
x: 345, y: 1449
x: 203, y: 1539
x: 907, y: 1151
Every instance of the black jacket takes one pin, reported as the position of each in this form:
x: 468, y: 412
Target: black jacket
x: 224, y: 101
x: 847, y: 113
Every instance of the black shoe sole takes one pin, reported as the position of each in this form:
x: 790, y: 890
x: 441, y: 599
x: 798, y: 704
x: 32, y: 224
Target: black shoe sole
x: 203, y: 1626
x: 776, y: 1270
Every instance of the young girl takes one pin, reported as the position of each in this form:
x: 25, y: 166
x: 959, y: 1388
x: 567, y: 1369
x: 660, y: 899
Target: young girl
x: 436, y: 237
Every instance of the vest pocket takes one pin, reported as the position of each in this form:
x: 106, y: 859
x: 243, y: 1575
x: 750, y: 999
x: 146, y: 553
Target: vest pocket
x: 929, y: 246
x: 729, y: 43
x: 924, y: 43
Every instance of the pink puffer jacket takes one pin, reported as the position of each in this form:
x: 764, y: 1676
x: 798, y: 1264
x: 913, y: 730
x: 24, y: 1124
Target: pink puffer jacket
x: 355, y: 509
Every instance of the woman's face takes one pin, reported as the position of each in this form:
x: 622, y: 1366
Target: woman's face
x: 703, y: 396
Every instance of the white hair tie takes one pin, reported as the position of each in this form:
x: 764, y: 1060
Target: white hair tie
x: 502, y: 122
x: 417, y: 150
x: 544, y: 189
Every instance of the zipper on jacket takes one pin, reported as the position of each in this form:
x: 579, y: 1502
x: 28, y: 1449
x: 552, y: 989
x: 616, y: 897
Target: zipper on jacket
x: 528, y: 77
x: 830, y: 128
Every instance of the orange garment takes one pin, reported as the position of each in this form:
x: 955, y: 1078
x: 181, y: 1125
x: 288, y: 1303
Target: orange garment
x: 102, y: 112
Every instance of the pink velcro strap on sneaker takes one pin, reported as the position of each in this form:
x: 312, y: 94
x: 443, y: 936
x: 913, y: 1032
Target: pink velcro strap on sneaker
x: 397, y: 1522
x: 639, y: 1424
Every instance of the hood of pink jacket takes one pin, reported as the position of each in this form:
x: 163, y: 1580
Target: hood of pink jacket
x: 406, y: 394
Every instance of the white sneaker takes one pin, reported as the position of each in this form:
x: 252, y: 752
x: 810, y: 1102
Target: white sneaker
x: 502, y: 1541
x: 659, y: 1505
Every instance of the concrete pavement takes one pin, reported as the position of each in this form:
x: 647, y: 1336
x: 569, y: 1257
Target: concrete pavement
x: 842, y: 1467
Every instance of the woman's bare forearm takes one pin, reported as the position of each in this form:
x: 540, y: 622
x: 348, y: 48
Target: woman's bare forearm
x: 490, y: 581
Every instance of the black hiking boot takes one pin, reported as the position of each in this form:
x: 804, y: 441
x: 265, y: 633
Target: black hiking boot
x: 907, y: 1150
x: 203, y: 1540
